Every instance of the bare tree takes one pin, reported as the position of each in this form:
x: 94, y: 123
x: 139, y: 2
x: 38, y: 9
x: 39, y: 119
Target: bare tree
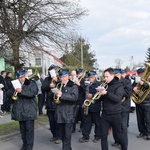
x: 25, y: 24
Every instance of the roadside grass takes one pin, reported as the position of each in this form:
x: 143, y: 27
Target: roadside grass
x: 12, y: 127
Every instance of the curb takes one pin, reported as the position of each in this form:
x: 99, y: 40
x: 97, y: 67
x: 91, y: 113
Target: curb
x: 9, y: 136
x: 14, y: 134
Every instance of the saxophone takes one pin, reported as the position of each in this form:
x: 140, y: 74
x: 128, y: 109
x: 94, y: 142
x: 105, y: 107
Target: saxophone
x: 142, y: 93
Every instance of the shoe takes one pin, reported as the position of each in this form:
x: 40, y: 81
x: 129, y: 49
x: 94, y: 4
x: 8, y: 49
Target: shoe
x: 147, y: 137
x: 23, y: 148
x: 115, y: 144
x: 2, y: 112
x: 82, y: 140
x: 52, y: 139
x: 141, y: 135
x: 96, y: 140
x: 57, y: 141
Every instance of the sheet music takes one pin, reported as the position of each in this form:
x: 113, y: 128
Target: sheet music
x: 16, y: 83
x: 52, y: 73
x: 55, y: 90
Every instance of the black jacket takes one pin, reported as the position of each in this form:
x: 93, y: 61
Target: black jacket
x: 25, y: 108
x: 81, y: 96
x: 50, y: 105
x: 65, y: 111
x: 3, y: 81
x: 127, y: 93
x: 94, y: 107
x: 111, y: 102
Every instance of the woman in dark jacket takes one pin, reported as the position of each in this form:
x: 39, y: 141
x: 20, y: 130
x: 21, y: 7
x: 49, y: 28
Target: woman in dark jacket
x: 25, y: 109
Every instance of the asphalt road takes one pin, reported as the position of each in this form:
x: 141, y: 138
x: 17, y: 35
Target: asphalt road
x: 43, y: 135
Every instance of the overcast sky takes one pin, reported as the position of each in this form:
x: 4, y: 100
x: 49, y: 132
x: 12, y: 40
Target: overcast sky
x: 117, y: 29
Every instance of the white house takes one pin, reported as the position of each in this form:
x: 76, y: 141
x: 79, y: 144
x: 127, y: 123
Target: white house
x: 43, y: 58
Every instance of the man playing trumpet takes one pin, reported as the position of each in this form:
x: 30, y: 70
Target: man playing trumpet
x: 93, y: 112
x: 48, y: 84
x: 25, y: 108
x: 66, y: 109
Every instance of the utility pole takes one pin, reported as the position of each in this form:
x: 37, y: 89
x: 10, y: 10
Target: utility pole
x: 81, y: 55
x: 131, y: 63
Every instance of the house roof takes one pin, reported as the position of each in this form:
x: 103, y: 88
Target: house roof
x: 56, y: 58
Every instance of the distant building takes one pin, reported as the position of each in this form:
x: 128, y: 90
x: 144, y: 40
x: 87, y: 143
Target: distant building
x: 43, y: 58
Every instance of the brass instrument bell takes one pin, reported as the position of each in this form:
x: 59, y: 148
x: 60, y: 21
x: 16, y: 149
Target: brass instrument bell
x: 56, y: 98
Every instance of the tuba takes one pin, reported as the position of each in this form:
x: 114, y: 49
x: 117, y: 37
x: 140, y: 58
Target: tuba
x: 142, y: 93
x: 35, y: 75
x: 56, y: 98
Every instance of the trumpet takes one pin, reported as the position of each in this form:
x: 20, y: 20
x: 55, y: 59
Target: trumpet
x: 14, y: 96
x: 97, y: 95
x: 56, y: 98
x: 88, y: 102
x: 35, y: 75
x: 84, y: 73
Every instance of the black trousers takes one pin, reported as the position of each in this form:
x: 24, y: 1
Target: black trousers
x: 27, y: 133
x: 66, y: 132
x: 124, y: 128
x: 88, y: 120
x: 41, y: 101
x: 143, y: 118
x: 114, y: 121
x: 54, y: 127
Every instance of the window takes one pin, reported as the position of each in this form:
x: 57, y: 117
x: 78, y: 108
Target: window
x: 38, y: 61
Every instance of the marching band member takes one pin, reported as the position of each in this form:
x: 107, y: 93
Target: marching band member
x: 125, y: 106
x: 24, y: 108
x: 66, y: 109
x: 47, y: 85
x: 81, y: 97
x: 73, y: 76
x: 93, y: 115
x: 111, y: 109
x: 143, y: 109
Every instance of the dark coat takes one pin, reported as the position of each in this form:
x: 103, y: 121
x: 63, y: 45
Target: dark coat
x: 65, y: 111
x: 111, y: 102
x: 81, y: 96
x: 127, y: 93
x: 3, y: 81
x: 94, y: 107
x: 50, y: 105
x: 25, y: 108
x: 8, y: 82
